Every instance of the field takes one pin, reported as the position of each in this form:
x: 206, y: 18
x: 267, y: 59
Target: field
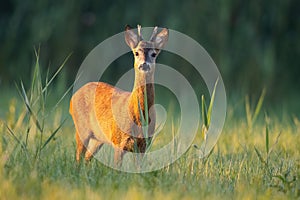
x: 256, y: 157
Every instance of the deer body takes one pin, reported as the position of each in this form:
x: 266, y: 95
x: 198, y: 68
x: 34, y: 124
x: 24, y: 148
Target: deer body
x: 105, y: 114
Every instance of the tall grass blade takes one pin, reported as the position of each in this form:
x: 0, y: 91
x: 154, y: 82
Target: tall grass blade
x: 146, y: 116
x: 204, y: 111
x: 210, y: 152
x: 259, y: 105
x: 27, y: 104
x: 53, y: 134
x: 56, y: 73
x: 23, y: 94
x: 267, y: 139
x: 146, y: 105
x: 27, y: 136
x: 211, y: 104
x: 135, y: 147
x: 46, y: 81
x: 35, y: 73
x: 175, y: 145
x: 44, y: 90
x: 248, y: 112
x: 156, y: 132
x: 15, y: 137
x: 141, y: 113
x: 62, y: 98
x: 259, y: 155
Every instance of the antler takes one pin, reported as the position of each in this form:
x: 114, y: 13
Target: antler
x: 139, y: 32
x: 153, y: 34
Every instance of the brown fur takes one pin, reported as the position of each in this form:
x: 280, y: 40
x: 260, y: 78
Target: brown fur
x: 105, y: 114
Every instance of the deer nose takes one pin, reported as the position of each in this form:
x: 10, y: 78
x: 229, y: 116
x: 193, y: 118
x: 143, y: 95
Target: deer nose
x: 144, y: 67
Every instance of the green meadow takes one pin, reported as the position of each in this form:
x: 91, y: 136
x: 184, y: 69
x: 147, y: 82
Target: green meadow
x: 256, y: 47
x: 256, y: 157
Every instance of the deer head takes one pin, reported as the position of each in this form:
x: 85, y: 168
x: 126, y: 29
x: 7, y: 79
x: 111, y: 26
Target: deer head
x: 145, y: 52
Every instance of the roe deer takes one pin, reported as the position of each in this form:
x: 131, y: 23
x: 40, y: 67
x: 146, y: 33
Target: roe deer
x: 105, y: 114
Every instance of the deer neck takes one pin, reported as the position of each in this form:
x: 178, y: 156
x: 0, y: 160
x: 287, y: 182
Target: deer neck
x: 137, y: 97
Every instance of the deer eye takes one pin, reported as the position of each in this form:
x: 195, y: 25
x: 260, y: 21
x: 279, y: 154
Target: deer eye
x: 153, y: 55
x: 136, y: 53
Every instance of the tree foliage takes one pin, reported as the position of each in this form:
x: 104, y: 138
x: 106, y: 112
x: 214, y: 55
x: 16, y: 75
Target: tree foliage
x: 254, y: 43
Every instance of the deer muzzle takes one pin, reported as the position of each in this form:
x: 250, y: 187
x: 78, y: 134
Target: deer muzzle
x: 144, y: 67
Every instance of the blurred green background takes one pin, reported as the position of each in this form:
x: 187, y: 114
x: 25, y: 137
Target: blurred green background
x: 254, y: 43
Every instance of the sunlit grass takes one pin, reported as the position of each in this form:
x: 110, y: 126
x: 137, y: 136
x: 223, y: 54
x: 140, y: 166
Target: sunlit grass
x: 37, y: 158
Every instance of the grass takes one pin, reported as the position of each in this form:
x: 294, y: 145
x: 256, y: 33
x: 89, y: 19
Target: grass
x: 37, y: 156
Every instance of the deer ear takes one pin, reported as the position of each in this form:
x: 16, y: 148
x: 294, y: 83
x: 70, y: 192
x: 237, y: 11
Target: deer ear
x: 161, y: 38
x: 131, y: 38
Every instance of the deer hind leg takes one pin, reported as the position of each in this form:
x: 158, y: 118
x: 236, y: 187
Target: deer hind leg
x: 118, y: 156
x: 81, y: 146
x: 93, y: 147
